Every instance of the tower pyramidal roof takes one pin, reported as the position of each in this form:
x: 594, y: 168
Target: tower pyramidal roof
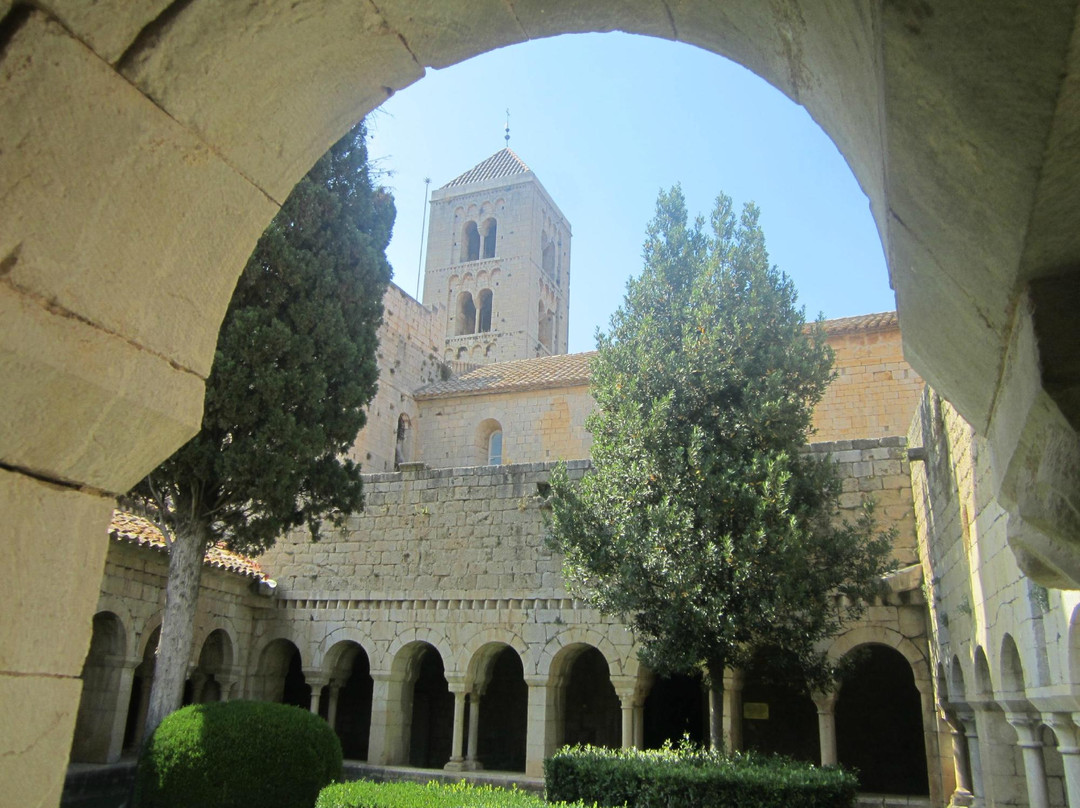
x: 504, y: 163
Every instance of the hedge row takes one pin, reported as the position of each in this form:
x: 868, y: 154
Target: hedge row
x: 366, y: 794
x: 693, y: 777
x: 238, y: 754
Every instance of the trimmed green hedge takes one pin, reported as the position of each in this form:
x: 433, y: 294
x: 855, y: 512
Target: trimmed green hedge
x: 688, y: 776
x: 238, y: 754
x: 366, y: 794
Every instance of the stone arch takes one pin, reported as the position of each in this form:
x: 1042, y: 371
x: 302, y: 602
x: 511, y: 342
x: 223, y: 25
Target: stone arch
x: 225, y: 126
x: 880, y: 635
x: 1011, y: 669
x: 215, y: 669
x: 472, y: 656
x: 957, y: 692
x: 470, y: 242
x: 489, y: 444
x: 419, y: 702
x: 882, y: 726
x: 106, y: 678
x: 408, y: 639
x: 984, y: 685
x: 465, y: 314
x: 488, y: 236
x: 555, y: 652
x: 278, y: 674
x: 484, y: 309
x: 346, y: 699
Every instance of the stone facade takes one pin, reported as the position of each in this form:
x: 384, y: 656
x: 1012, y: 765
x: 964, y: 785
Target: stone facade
x: 435, y: 628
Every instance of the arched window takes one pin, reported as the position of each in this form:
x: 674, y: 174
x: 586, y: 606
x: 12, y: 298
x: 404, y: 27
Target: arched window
x: 470, y: 243
x: 466, y: 314
x: 490, y: 228
x: 485, y: 311
x: 488, y: 445
x: 545, y: 326
x: 547, y: 248
x: 401, y: 445
x: 495, y: 448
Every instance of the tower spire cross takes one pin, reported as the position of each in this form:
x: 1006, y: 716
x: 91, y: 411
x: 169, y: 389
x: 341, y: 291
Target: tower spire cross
x: 507, y: 136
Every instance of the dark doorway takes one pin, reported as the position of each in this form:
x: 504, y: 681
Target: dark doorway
x: 353, y: 719
x: 432, y: 714
x: 779, y: 717
x: 504, y: 712
x: 591, y: 712
x: 879, y: 723
x: 676, y: 707
x: 296, y: 691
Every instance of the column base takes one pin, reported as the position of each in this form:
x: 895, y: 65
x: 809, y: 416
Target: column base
x: 457, y: 765
x: 962, y: 798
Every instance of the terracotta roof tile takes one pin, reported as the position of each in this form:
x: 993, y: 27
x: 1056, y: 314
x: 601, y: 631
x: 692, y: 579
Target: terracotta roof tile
x: 863, y: 322
x: 570, y: 370
x: 566, y: 370
x: 137, y: 530
x: 503, y: 163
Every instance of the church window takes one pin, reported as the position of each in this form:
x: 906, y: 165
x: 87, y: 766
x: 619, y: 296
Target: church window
x: 545, y: 327
x: 485, y: 311
x: 401, y: 447
x: 466, y: 314
x: 495, y: 448
x: 547, y: 248
x: 490, y: 229
x: 470, y: 243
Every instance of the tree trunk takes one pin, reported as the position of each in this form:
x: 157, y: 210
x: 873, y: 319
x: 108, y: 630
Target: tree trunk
x: 177, y: 625
x: 716, y: 705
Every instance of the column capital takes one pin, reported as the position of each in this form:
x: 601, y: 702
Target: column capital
x: 1027, y: 728
x: 1065, y: 730
x: 825, y: 701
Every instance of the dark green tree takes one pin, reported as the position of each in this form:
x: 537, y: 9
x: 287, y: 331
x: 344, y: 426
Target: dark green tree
x: 702, y: 522
x: 293, y: 370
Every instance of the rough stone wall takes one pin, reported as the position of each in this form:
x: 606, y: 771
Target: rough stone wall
x: 537, y: 426
x: 981, y: 604
x: 410, y: 340
x: 875, y: 391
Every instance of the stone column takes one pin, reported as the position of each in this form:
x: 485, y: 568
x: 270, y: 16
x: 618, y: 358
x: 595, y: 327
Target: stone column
x: 391, y: 714
x: 332, y: 698
x: 1065, y: 729
x: 1027, y: 733
x: 457, y: 761
x: 974, y: 757
x: 627, y: 702
x: 963, y: 794
x: 733, y: 685
x: 315, y: 682
x: 639, y: 726
x: 540, y: 734
x: 826, y: 717
x: 471, y: 761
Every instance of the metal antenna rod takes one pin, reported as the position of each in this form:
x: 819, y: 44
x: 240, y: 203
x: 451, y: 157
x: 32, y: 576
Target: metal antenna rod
x: 423, y: 226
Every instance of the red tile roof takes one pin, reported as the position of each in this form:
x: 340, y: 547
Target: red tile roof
x: 503, y: 163
x: 864, y: 322
x: 134, y: 529
x: 571, y: 370
x: 566, y: 370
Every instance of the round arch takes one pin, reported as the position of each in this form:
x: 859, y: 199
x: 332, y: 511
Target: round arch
x: 880, y: 635
x: 480, y: 647
x: 564, y: 645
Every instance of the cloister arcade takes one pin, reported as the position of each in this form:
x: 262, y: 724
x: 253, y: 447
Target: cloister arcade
x: 421, y: 702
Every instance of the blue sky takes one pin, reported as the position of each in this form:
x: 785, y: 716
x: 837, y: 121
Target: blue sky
x: 607, y: 120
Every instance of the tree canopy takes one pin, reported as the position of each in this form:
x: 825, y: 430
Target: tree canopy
x: 703, y: 521
x: 294, y: 368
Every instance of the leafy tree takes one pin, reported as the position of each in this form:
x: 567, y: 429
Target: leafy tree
x: 294, y: 368
x: 701, y: 520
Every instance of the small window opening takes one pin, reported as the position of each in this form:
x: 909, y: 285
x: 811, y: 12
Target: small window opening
x: 485, y: 311
x: 401, y: 447
x: 547, y: 247
x: 495, y: 448
x: 545, y: 327
x: 466, y: 314
x: 490, y: 229
x: 470, y: 243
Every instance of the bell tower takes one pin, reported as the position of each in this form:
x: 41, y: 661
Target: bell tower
x: 498, y: 260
